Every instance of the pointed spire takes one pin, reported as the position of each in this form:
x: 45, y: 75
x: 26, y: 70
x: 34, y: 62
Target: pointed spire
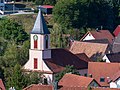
x: 40, y: 26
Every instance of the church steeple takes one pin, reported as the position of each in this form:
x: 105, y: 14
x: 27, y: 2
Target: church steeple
x: 40, y: 26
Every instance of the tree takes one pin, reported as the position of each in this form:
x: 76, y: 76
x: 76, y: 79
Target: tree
x: 24, y: 52
x: 11, y: 30
x: 70, y: 13
x: 14, y: 77
x: 100, y: 15
x: 50, y: 2
x: 3, y: 45
x: 68, y: 69
x: 57, y: 36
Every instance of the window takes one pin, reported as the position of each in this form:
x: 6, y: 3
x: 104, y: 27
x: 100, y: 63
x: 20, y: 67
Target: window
x: 35, y: 63
x: 35, y: 37
x: 90, y: 75
x: 46, y: 41
x: 102, y: 79
x: 35, y: 43
x: 85, y: 74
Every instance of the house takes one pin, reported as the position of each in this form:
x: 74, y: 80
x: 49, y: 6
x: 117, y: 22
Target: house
x: 117, y: 31
x: 2, y: 5
x: 39, y: 87
x: 98, y: 34
x: 116, y: 44
x: 72, y: 80
x: 47, y: 9
x: 115, y: 80
x: 103, y: 41
x: 112, y: 57
x: 2, y: 87
x: 93, y: 50
x: 103, y: 72
x: 46, y: 60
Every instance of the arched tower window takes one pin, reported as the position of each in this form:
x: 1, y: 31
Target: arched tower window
x: 35, y: 37
x: 46, y: 41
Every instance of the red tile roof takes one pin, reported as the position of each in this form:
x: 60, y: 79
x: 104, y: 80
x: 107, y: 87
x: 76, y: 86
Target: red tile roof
x: 83, y: 56
x: 39, y: 87
x: 117, y: 31
x: 104, y: 70
x: 102, y: 88
x: 2, y: 85
x: 83, y: 88
x: 72, y: 80
x: 92, y: 50
x: 60, y: 58
x: 47, y: 6
x: 101, y: 34
x: 115, y: 77
x: 73, y: 88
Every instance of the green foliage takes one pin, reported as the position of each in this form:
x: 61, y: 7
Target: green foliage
x: 11, y: 30
x: 68, y: 69
x: 33, y: 78
x: 70, y: 13
x: 39, y: 2
x: 11, y: 55
x: 24, y: 52
x: 50, y: 2
x: 14, y: 77
x: 3, y: 45
x: 57, y: 37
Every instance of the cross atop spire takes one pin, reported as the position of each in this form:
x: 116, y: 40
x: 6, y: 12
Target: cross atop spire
x: 40, y: 26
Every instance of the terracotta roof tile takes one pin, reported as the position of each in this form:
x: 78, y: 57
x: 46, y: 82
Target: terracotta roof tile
x: 101, y: 34
x: 2, y: 85
x: 92, y: 50
x: 102, y: 88
x: 116, y: 44
x: 115, y: 77
x: 61, y: 58
x: 83, y: 56
x: 104, y: 70
x: 72, y: 80
x: 39, y: 87
x: 117, y: 31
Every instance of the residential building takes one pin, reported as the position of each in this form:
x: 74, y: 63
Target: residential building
x: 116, y: 44
x: 72, y: 80
x: 2, y: 5
x: 103, y: 72
x: 117, y: 31
x: 46, y: 9
x: 98, y: 34
x: 112, y: 57
x: 115, y: 80
x: 39, y: 87
x: 93, y: 50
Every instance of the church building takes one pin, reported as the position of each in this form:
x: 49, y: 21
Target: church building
x: 50, y: 61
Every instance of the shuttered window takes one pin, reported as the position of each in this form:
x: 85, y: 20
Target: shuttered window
x: 35, y: 63
x: 35, y: 43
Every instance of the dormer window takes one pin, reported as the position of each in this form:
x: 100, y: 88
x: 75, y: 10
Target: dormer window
x: 102, y: 79
x: 46, y: 41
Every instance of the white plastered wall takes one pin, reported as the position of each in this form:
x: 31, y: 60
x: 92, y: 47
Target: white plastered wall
x: 41, y: 41
x: 105, y: 58
x: 89, y: 37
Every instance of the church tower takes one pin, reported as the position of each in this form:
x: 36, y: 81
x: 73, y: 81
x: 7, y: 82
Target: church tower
x: 39, y: 45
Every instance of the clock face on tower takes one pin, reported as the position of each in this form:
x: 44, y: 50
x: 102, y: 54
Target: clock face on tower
x: 35, y: 37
